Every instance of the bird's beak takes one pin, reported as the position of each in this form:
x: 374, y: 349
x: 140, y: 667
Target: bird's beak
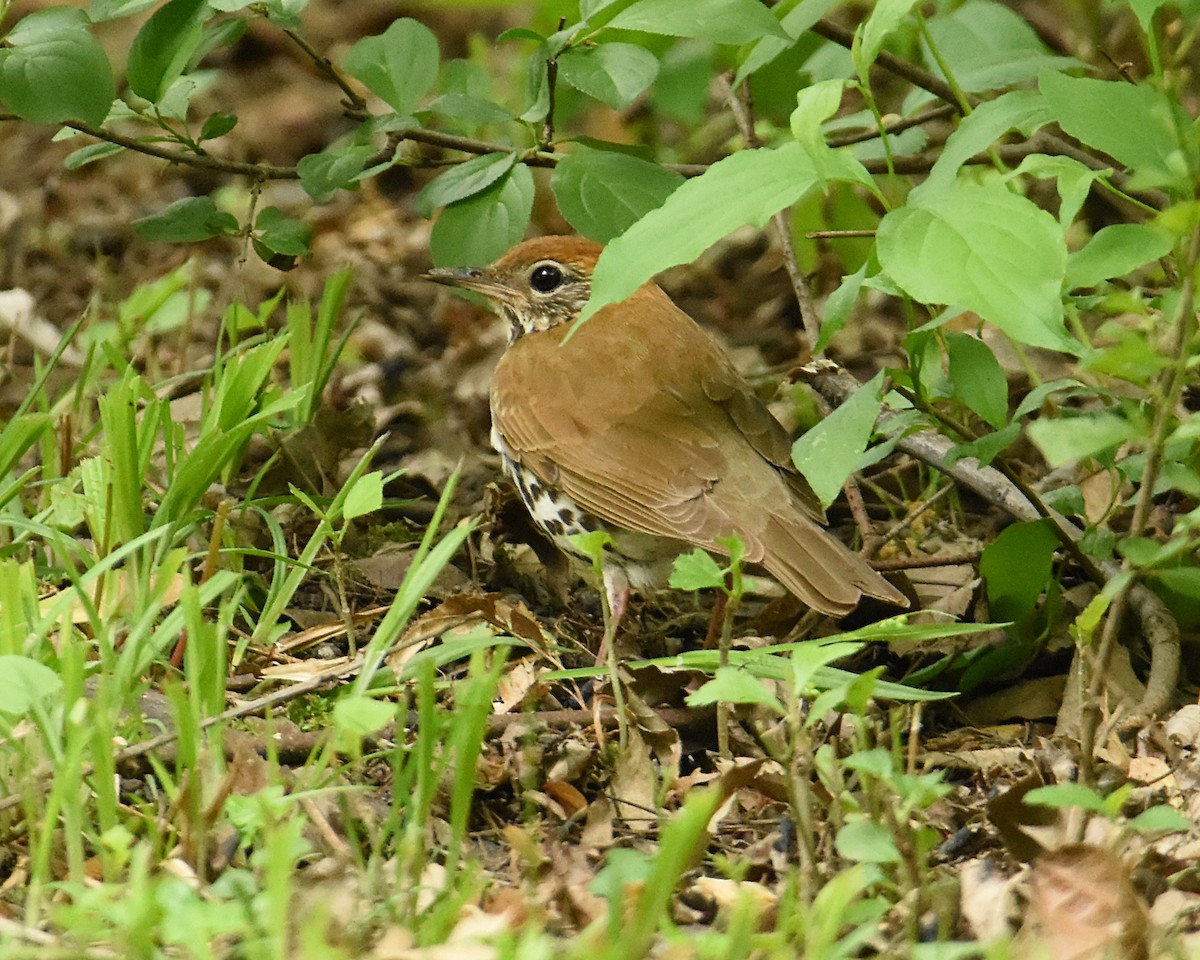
x: 469, y: 278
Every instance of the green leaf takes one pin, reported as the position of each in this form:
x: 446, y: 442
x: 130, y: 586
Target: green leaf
x: 794, y: 23
x: 865, y: 841
x: 613, y: 73
x: 1016, y: 566
x: 399, y: 65
x: 217, y: 125
x: 361, y: 716
x: 323, y: 174
x: 722, y: 21
x: 1065, y: 795
x: 477, y: 230
x: 25, y: 682
x: 1070, y: 438
x: 978, y: 380
x: 162, y: 48
x: 838, y: 306
x: 52, y: 69
x: 985, y: 249
x: 592, y: 544
x: 603, y: 193
x: 1160, y: 817
x: 987, y: 46
x: 1182, y: 580
x: 89, y: 154
x: 829, y: 452
x: 1140, y: 127
x: 281, y: 234
x: 734, y: 685
x: 366, y: 496
x: 469, y: 109
x: 1115, y: 251
x: 696, y: 571
x: 186, y: 221
x: 463, y: 180
x: 746, y: 187
x: 1024, y: 110
x: 886, y: 17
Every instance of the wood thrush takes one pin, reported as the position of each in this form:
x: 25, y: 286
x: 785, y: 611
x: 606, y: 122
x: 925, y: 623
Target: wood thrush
x: 639, y: 425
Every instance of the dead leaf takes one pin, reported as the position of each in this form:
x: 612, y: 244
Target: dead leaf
x: 1083, y: 906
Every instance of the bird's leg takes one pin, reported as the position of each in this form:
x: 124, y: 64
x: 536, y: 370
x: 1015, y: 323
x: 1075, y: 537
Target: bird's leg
x: 616, y: 602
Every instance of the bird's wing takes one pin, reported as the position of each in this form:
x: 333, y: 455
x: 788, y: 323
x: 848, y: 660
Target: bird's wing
x: 643, y: 426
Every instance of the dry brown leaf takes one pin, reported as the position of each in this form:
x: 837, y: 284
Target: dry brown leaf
x: 987, y: 899
x: 634, y: 784
x: 1082, y: 906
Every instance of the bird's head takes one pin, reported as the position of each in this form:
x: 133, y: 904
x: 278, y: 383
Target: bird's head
x: 537, y: 285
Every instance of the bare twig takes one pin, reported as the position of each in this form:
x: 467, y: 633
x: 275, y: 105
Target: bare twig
x: 740, y: 108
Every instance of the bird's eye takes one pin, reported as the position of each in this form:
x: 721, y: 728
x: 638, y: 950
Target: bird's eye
x: 546, y: 277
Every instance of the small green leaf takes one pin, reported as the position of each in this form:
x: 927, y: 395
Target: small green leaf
x: 865, y: 841
x: 361, y: 716
x: 463, y: 180
x: 399, y: 65
x: 829, y: 452
x: 477, y: 230
x: 838, y: 307
x: 734, y: 685
x: 1160, y: 817
x: 1069, y: 438
x: 721, y: 21
x: 602, y: 193
x: 366, y: 496
x: 52, y: 69
x: 1016, y: 567
x: 281, y: 234
x: 1182, y: 580
x: 24, y: 682
x: 978, y: 379
x: 696, y: 571
x: 613, y: 73
x: 323, y: 174
x: 162, y: 48
x: 1115, y: 251
x: 885, y: 18
x: 1065, y: 795
x: 186, y: 221
x: 591, y: 544
x: 217, y: 125
x: 985, y: 249
x: 89, y: 154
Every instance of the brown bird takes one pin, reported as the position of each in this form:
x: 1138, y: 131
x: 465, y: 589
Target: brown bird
x: 639, y: 425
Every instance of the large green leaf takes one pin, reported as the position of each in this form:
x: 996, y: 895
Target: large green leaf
x: 399, y: 65
x: 163, y: 47
x: 1140, y: 127
x: 463, y: 180
x: 602, y: 193
x: 747, y: 187
x: 722, y: 21
x: 613, y: 73
x: 1115, y: 251
x: 477, y: 230
x: 829, y: 452
x: 983, y: 248
x: 52, y: 69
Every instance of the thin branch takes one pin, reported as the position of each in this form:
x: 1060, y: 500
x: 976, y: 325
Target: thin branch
x: 740, y: 108
x: 1158, y: 626
x: 326, y: 66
